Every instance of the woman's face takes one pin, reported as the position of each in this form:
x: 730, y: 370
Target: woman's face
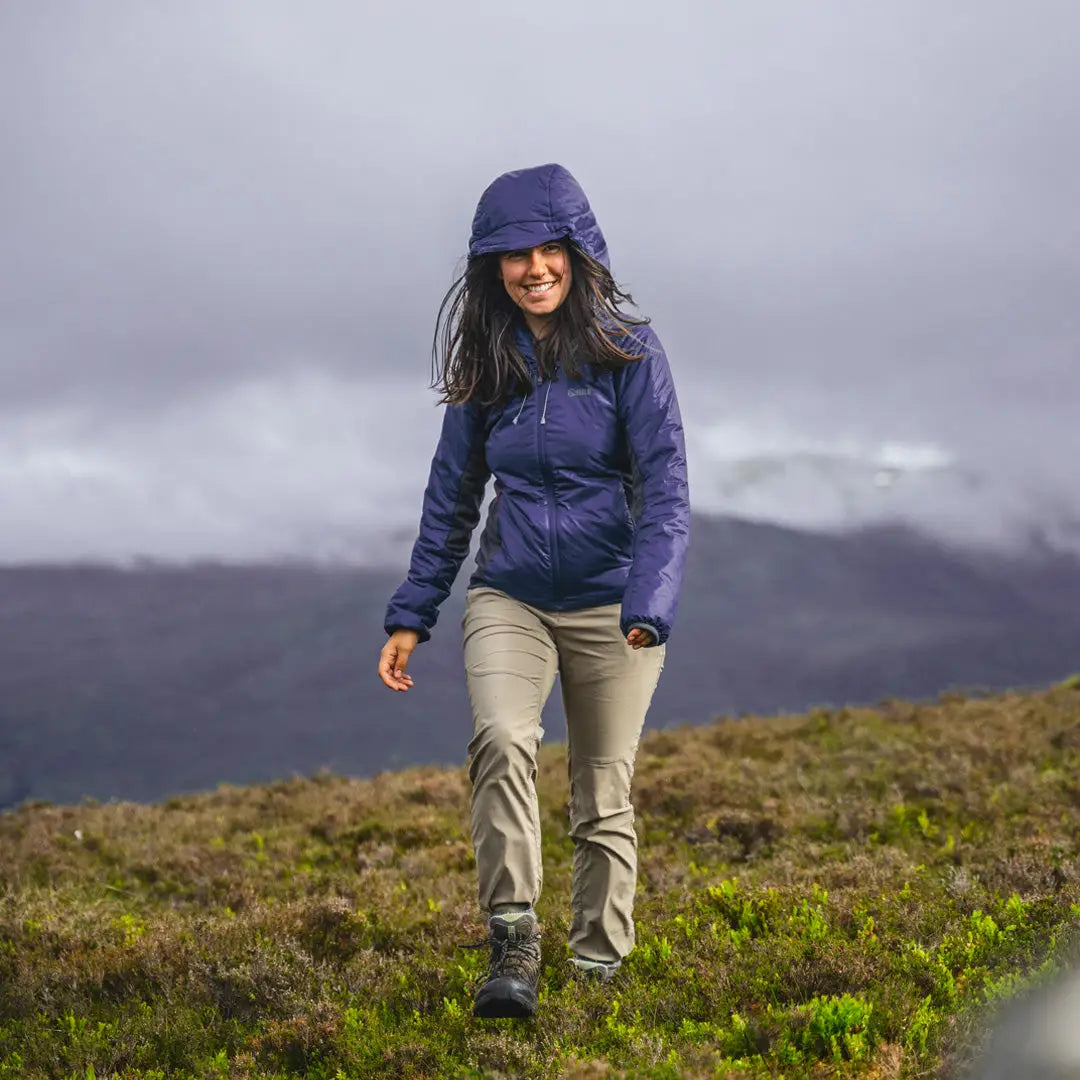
x: 537, y: 279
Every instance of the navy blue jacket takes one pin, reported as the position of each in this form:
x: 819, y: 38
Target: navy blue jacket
x: 591, y: 499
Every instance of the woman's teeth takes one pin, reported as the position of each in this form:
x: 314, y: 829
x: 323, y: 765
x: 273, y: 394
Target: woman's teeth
x: 542, y: 288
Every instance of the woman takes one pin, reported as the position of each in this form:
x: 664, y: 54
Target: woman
x: 570, y: 404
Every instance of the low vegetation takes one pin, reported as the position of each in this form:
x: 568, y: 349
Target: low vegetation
x: 850, y: 892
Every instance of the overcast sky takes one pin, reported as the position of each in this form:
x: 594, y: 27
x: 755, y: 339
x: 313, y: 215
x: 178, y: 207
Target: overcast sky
x: 225, y: 230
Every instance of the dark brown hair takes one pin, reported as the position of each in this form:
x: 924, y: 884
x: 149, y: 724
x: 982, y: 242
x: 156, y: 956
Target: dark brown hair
x: 474, y: 331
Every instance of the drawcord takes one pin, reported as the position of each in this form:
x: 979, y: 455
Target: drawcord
x: 523, y: 398
x: 543, y: 418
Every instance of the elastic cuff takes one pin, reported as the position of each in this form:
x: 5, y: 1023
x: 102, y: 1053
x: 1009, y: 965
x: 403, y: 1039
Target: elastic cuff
x: 422, y: 631
x: 654, y: 624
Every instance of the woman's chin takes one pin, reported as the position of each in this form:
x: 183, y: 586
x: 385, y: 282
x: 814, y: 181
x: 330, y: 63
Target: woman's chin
x: 538, y: 307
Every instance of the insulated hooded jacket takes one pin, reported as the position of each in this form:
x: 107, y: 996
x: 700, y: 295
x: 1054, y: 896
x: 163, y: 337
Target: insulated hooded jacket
x: 591, y: 498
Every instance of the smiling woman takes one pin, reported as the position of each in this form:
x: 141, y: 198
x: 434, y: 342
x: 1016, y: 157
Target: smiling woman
x: 569, y: 403
x: 543, y: 275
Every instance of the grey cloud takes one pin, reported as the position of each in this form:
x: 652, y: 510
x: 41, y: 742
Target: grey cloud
x: 856, y: 221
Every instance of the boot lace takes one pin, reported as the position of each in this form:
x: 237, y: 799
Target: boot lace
x: 518, y: 957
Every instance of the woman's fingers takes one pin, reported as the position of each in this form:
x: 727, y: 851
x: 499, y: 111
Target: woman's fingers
x: 392, y: 664
x: 638, y: 638
x: 385, y: 670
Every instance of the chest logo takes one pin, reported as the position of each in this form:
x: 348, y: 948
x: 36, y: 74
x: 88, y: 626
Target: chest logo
x: 579, y: 391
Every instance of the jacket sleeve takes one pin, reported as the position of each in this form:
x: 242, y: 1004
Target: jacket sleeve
x: 451, y: 509
x: 650, y: 416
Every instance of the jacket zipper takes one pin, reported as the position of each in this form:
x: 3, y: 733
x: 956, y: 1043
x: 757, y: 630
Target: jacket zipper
x: 549, y: 485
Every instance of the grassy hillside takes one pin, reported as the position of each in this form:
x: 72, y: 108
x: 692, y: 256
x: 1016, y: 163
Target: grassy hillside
x: 846, y: 893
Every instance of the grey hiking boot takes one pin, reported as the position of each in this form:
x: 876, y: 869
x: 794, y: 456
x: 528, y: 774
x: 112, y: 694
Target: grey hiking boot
x: 597, y: 970
x: 511, y: 984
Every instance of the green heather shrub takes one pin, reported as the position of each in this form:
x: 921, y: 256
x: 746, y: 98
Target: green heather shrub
x: 849, y: 893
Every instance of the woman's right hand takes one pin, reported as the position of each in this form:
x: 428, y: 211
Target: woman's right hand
x: 395, y: 658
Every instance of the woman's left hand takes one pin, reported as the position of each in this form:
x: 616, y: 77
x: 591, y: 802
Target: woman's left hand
x: 638, y: 638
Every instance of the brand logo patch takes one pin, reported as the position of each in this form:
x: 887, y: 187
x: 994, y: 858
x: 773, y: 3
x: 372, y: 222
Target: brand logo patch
x: 578, y: 392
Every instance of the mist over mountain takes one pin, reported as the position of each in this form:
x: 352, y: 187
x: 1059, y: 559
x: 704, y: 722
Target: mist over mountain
x: 144, y: 681
x: 310, y: 465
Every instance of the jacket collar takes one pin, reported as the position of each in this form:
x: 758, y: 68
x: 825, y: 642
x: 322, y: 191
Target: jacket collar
x: 526, y: 343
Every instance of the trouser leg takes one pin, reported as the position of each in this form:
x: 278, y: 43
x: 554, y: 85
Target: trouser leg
x: 510, y: 666
x: 607, y: 688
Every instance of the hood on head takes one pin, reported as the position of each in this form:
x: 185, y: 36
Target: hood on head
x: 527, y: 207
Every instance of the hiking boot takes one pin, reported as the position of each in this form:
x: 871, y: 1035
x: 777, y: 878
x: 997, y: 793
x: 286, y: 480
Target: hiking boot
x: 510, y: 989
x: 596, y: 970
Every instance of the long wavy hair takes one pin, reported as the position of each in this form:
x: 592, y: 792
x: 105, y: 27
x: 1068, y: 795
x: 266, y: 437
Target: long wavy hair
x: 474, y: 354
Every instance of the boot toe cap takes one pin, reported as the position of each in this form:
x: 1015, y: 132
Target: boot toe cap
x: 505, y: 996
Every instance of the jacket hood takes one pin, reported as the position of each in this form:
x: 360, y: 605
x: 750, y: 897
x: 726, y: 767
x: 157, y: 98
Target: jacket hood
x: 527, y: 207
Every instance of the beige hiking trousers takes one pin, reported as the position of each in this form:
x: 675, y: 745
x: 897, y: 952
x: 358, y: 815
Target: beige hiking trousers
x: 512, y: 653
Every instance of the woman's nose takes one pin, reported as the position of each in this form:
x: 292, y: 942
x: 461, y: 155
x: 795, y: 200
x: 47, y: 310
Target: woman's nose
x: 537, y: 266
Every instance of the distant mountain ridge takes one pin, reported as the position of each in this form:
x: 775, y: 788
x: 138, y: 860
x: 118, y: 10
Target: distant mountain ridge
x: 143, y: 682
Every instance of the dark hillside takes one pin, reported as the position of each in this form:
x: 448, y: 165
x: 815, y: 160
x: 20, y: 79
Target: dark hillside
x: 141, y: 683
